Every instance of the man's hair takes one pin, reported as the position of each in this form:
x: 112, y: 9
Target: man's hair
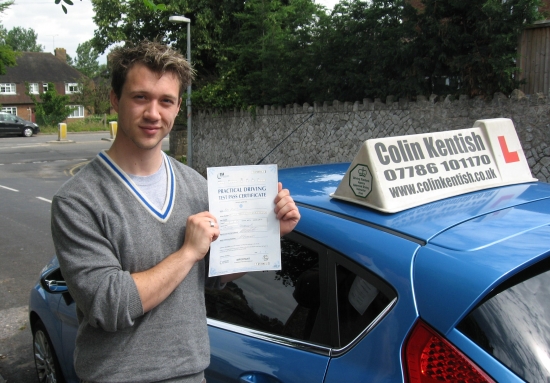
x: 158, y: 57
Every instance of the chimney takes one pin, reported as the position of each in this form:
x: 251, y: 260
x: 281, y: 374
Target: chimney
x: 61, y: 54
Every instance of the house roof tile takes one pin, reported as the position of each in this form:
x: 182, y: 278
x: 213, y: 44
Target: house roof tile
x: 40, y: 67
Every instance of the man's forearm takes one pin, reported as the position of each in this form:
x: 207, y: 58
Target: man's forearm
x: 157, y: 283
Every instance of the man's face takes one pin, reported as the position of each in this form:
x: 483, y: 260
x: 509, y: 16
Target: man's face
x: 147, y: 107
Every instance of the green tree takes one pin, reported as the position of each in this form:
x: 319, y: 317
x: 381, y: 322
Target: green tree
x: 94, y: 93
x: 52, y: 107
x: 270, y: 58
x: 470, y: 47
x: 240, y: 50
x: 21, y: 39
x: 213, y: 26
x: 7, y: 55
x: 362, y: 50
x: 86, y: 60
x: 258, y: 52
x: 68, y: 2
x: 148, y: 3
x: 7, y: 58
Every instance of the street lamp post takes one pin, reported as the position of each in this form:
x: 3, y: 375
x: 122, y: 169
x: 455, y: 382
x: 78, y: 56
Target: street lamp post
x: 183, y: 19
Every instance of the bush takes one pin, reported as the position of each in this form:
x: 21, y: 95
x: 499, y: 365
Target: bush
x: 52, y: 109
x: 112, y: 117
x: 94, y: 119
x: 100, y: 118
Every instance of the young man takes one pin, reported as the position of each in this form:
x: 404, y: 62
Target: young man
x: 131, y: 231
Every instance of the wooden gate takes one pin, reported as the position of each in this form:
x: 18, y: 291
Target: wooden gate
x: 534, y: 60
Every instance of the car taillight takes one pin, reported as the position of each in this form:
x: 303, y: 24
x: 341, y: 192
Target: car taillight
x: 429, y: 358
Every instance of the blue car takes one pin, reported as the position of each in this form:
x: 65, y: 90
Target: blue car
x: 452, y: 290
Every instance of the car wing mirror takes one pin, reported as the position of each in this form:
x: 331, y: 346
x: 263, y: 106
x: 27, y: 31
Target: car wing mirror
x: 53, y: 282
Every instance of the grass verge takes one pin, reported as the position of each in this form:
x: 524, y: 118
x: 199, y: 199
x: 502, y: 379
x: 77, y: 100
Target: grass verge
x: 76, y: 126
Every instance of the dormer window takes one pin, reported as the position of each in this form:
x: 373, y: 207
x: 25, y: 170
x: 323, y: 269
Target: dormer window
x: 71, y: 87
x: 7, y: 88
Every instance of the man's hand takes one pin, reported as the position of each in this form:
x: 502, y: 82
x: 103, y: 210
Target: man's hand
x: 202, y: 229
x: 286, y: 210
x: 157, y: 283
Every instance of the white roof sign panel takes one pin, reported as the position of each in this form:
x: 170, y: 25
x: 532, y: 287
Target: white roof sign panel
x: 396, y: 173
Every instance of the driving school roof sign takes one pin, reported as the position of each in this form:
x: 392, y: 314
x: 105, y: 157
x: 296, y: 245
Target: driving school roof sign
x: 396, y: 173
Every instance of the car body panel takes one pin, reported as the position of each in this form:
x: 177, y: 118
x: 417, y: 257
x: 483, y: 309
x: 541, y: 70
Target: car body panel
x: 235, y: 357
x: 465, y: 277
x: 490, y: 229
x: 8, y: 127
x: 69, y: 328
x: 377, y: 358
x: 59, y: 319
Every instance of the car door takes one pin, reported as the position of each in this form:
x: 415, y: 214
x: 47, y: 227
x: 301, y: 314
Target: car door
x: 60, y: 319
x: 4, y: 125
x: 19, y: 124
x: 321, y: 309
x: 270, y: 327
x: 11, y: 124
x: 66, y: 312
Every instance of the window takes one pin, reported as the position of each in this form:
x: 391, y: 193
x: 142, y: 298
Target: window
x: 71, y: 87
x: 359, y: 303
x: 512, y: 323
x: 6, y: 117
x: 10, y: 109
x: 45, y: 87
x: 315, y: 284
x: 33, y: 88
x: 284, y: 302
x: 7, y: 88
x: 78, y: 111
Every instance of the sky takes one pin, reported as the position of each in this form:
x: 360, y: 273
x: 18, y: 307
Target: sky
x: 51, y: 24
x: 55, y: 29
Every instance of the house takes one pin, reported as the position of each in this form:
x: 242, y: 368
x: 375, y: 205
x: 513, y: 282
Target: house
x: 38, y: 69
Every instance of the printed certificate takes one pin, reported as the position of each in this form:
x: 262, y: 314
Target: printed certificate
x: 242, y: 200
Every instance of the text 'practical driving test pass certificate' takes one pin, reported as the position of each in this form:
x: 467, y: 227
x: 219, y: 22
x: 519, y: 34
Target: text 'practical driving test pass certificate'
x: 242, y: 199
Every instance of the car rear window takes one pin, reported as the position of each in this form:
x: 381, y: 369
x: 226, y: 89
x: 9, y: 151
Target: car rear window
x: 513, y: 324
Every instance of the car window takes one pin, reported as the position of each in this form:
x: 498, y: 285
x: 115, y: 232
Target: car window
x: 284, y: 302
x: 513, y: 323
x: 319, y: 296
x: 359, y: 303
x: 10, y: 118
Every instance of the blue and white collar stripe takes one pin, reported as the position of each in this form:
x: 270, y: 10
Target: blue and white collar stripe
x: 161, y: 215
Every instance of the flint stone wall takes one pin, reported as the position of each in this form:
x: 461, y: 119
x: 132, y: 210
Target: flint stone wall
x: 322, y: 133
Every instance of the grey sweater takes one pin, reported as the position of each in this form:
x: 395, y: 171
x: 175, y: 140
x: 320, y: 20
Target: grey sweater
x: 103, y: 230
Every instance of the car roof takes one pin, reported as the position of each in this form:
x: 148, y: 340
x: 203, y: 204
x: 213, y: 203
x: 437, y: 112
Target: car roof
x: 312, y: 185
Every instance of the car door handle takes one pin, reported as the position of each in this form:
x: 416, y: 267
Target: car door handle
x: 257, y: 377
